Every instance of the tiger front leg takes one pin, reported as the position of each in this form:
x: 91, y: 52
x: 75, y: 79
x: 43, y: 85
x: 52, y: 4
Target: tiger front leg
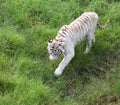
x: 67, y: 58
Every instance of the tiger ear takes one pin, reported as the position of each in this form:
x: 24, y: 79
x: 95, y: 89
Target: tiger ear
x: 50, y: 41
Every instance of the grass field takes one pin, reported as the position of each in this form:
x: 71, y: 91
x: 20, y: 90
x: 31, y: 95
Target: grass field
x: 26, y: 73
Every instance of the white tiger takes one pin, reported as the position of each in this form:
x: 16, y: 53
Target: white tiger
x: 70, y: 35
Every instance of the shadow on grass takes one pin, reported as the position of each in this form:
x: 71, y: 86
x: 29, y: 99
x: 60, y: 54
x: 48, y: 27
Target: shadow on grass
x: 6, y: 87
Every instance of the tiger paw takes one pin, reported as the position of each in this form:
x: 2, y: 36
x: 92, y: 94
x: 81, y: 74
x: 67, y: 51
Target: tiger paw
x: 58, y: 72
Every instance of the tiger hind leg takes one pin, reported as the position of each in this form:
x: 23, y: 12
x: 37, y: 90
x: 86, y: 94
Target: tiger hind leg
x: 90, y: 38
x: 88, y: 47
x: 93, y: 38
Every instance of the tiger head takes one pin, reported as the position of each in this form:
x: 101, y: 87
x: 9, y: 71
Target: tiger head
x: 55, y: 49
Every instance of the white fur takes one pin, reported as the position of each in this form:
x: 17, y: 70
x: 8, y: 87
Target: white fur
x: 81, y: 29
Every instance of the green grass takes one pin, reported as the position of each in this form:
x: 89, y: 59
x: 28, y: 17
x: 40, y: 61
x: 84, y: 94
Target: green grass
x: 27, y: 75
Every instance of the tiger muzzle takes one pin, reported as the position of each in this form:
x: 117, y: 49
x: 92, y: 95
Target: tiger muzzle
x: 51, y: 57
